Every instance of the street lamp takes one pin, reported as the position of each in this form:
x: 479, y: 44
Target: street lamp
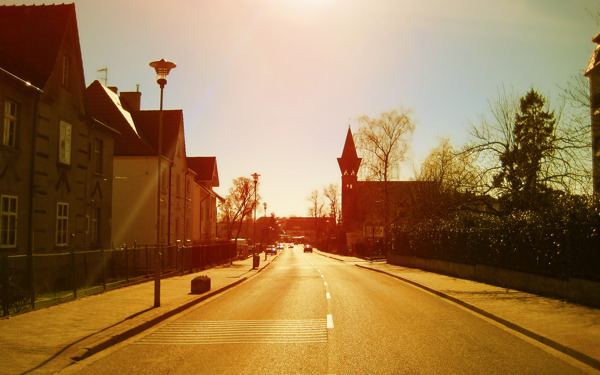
x: 255, y: 176
x: 162, y: 69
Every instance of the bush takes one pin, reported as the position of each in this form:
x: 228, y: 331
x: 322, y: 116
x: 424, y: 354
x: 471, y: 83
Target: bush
x: 561, y: 241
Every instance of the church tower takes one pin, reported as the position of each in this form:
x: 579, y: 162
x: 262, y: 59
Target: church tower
x: 349, y: 164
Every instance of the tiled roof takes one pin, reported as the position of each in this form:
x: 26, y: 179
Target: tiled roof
x: 205, y: 167
x: 105, y: 105
x: 30, y: 38
x: 147, y: 124
x: 139, y: 129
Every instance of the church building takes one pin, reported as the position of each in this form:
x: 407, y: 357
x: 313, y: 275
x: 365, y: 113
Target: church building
x: 372, y: 209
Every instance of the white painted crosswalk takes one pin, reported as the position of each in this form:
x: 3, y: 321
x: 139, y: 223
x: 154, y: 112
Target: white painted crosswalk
x: 239, y: 332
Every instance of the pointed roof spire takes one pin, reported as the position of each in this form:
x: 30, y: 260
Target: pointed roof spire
x: 349, y: 147
x: 349, y: 160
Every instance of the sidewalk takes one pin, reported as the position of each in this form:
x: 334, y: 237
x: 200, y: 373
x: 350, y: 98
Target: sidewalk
x: 570, y: 328
x: 50, y: 339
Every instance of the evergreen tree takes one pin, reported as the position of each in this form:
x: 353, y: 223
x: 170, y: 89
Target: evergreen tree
x: 534, y: 142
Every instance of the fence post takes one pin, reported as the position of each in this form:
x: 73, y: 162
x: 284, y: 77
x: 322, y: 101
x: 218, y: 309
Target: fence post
x: 74, y: 273
x: 126, y: 264
x: 4, y: 279
x: 30, y: 269
x: 181, y: 252
x: 103, y: 269
x: 147, y: 262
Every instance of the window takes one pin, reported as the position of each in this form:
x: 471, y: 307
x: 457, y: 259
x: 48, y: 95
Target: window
x: 9, y: 135
x: 62, y: 223
x: 8, y: 221
x: 65, y: 77
x: 64, y: 145
x: 95, y: 235
x: 98, y: 153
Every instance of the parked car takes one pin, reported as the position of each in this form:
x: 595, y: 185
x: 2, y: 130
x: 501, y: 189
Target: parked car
x: 281, y: 247
x: 271, y: 249
x: 308, y: 248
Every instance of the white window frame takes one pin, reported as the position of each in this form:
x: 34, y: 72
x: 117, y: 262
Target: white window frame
x: 64, y: 143
x: 62, y: 224
x: 9, y: 133
x: 8, y: 221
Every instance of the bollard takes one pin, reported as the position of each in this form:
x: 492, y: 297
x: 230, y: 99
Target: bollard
x: 255, y: 261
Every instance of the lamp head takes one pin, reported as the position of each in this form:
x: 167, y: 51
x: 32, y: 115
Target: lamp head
x: 162, y: 69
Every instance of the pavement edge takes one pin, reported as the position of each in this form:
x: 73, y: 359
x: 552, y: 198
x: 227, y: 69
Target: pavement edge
x: 584, y: 358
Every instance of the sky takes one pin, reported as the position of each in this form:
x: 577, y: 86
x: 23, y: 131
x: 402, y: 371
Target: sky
x: 271, y: 86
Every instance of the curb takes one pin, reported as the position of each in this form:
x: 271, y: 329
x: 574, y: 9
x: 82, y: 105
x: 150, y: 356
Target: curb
x: 581, y: 357
x: 112, y: 340
x: 323, y: 254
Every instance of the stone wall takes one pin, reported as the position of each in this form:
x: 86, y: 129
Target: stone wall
x: 586, y: 292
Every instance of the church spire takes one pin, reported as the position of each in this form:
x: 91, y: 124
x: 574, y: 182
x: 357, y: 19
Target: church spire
x: 349, y: 162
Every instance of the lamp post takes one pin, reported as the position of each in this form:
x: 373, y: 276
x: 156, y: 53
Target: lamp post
x: 255, y: 177
x: 162, y: 69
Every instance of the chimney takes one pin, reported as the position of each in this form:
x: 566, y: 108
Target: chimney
x: 131, y: 100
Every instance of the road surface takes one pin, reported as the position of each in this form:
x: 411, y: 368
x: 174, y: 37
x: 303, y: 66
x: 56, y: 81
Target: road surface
x: 308, y: 314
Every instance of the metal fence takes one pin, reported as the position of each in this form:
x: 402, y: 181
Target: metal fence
x: 37, y: 280
x: 544, y: 252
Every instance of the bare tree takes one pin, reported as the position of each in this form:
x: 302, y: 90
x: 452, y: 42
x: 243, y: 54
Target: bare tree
x: 316, y: 208
x: 332, y: 193
x: 575, y: 130
x: 238, y: 205
x: 383, y: 144
x: 450, y: 176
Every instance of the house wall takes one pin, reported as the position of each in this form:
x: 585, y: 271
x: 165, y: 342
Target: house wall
x: 100, y: 188
x: 54, y: 181
x: 204, y: 210
x: 134, y: 201
x: 15, y: 162
x: 176, y: 198
x: 32, y: 170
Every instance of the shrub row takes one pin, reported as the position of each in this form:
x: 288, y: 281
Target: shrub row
x: 562, y: 241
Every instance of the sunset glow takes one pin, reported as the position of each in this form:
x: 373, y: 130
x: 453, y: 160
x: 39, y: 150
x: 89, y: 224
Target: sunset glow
x: 271, y: 86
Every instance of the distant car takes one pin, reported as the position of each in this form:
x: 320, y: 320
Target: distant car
x: 281, y: 247
x: 308, y: 248
x: 291, y: 246
x: 271, y: 249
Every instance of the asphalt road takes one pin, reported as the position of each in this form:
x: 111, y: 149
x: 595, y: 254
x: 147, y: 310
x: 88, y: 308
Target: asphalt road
x: 307, y: 314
